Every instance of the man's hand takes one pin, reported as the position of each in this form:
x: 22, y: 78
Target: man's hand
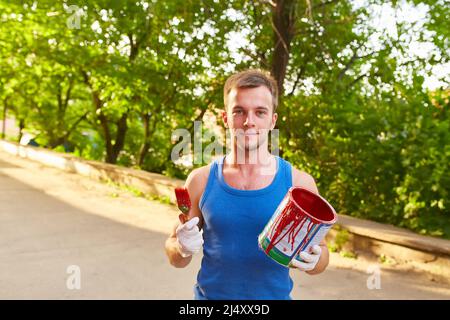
x: 189, y: 238
x: 309, y: 259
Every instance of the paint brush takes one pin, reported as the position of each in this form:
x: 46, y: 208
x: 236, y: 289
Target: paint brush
x: 184, y: 203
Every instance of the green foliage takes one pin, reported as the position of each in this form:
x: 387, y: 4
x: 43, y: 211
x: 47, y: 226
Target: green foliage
x: 348, y: 254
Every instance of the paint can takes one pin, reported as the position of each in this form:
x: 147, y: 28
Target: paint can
x: 301, y: 220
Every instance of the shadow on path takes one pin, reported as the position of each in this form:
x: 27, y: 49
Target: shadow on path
x: 41, y: 236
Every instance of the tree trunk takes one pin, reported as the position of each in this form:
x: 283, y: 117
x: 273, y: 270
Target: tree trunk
x: 98, y: 103
x: 283, y: 25
x: 5, y: 107
x: 283, y: 22
x: 146, y: 145
x: 105, y: 128
x: 21, y: 127
x: 61, y: 139
x: 122, y: 128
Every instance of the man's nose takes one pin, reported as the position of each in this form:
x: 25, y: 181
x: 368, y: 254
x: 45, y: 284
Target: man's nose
x: 249, y: 121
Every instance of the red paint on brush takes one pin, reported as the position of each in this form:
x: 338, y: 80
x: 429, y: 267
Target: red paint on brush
x: 183, y: 202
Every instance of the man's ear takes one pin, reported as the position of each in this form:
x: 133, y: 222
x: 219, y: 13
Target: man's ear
x: 225, y: 118
x: 274, y: 120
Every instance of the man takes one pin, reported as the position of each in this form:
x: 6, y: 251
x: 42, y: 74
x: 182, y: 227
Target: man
x: 234, y: 197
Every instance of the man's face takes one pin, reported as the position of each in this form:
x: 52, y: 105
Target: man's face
x: 250, y: 117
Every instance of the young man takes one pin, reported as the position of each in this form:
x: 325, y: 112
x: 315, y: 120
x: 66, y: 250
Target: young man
x: 234, y: 197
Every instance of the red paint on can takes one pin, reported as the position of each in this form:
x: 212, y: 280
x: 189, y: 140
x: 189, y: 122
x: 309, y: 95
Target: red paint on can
x: 302, y: 205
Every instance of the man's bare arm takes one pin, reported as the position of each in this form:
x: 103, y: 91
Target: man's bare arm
x: 304, y: 180
x: 195, y: 183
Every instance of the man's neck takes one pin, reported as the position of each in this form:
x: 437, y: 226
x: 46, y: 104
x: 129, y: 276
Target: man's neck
x: 250, y: 162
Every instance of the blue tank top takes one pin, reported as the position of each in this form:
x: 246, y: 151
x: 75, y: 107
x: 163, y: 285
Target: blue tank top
x: 233, y: 266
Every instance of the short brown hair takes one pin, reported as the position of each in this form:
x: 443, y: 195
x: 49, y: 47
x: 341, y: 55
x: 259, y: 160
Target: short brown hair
x: 251, y: 78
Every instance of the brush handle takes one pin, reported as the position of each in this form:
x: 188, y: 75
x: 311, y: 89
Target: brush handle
x: 184, y: 217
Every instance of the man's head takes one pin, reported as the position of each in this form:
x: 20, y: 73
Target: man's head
x: 251, y: 78
x: 250, y: 98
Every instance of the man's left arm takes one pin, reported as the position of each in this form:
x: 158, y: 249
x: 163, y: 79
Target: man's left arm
x: 317, y: 260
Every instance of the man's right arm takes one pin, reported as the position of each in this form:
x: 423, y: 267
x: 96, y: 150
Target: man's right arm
x: 195, y: 183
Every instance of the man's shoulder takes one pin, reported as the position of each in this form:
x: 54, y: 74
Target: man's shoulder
x: 303, y: 179
x: 297, y: 173
x: 200, y: 172
x: 199, y: 176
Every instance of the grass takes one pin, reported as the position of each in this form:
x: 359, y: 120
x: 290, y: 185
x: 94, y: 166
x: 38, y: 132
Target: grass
x: 341, y: 239
x: 136, y: 192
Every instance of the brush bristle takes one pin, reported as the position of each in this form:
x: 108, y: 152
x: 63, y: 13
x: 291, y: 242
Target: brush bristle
x: 183, y: 199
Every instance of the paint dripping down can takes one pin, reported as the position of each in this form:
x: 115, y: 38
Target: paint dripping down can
x: 301, y: 220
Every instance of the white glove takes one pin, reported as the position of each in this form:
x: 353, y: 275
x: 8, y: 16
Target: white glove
x: 309, y: 259
x: 189, y: 237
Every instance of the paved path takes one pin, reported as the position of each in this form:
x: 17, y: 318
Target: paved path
x: 51, y: 220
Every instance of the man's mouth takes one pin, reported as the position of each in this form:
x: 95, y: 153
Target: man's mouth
x: 251, y: 133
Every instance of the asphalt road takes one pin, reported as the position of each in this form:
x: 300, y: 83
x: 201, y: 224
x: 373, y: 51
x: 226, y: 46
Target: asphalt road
x: 63, y: 236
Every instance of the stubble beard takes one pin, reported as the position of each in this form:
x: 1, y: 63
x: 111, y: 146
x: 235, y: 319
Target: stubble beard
x: 250, y: 150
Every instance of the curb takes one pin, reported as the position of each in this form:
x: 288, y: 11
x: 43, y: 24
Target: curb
x: 146, y: 182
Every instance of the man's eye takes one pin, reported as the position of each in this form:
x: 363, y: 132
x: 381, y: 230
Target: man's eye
x: 260, y: 113
x: 237, y: 111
